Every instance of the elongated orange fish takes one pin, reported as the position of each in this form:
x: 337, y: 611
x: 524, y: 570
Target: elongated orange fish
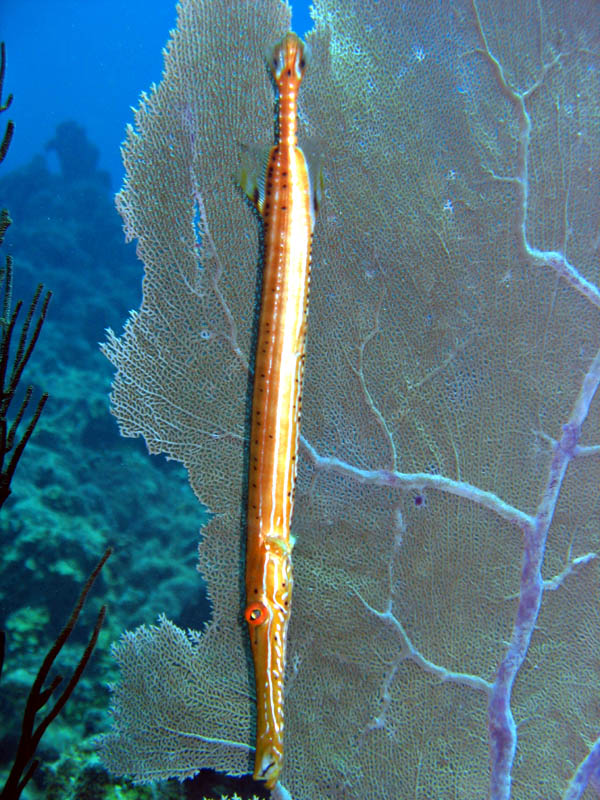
x: 287, y: 206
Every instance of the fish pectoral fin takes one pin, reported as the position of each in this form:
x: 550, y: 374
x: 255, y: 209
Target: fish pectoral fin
x: 251, y: 174
x: 279, y: 543
x: 313, y: 150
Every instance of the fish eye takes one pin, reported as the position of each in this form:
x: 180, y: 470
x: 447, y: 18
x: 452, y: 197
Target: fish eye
x: 255, y: 614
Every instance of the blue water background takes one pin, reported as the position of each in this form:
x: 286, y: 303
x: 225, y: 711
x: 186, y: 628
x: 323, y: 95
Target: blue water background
x: 86, y: 60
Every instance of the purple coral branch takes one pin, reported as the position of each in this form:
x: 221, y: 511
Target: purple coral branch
x: 502, y: 729
x: 589, y: 768
x: 501, y: 724
x: 419, y: 481
x: 564, y: 269
x: 411, y: 653
x: 587, y: 450
x: 539, y: 258
x: 557, y: 581
x: 408, y: 652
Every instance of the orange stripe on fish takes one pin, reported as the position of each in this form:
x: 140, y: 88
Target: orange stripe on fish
x: 287, y: 207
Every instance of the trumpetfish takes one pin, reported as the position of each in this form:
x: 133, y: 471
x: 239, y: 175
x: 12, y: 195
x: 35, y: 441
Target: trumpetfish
x: 287, y: 204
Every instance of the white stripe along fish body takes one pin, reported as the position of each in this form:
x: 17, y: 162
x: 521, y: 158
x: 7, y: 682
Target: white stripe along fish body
x: 287, y: 208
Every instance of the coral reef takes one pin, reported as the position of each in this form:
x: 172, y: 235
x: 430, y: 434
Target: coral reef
x: 79, y: 486
x: 49, y: 692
